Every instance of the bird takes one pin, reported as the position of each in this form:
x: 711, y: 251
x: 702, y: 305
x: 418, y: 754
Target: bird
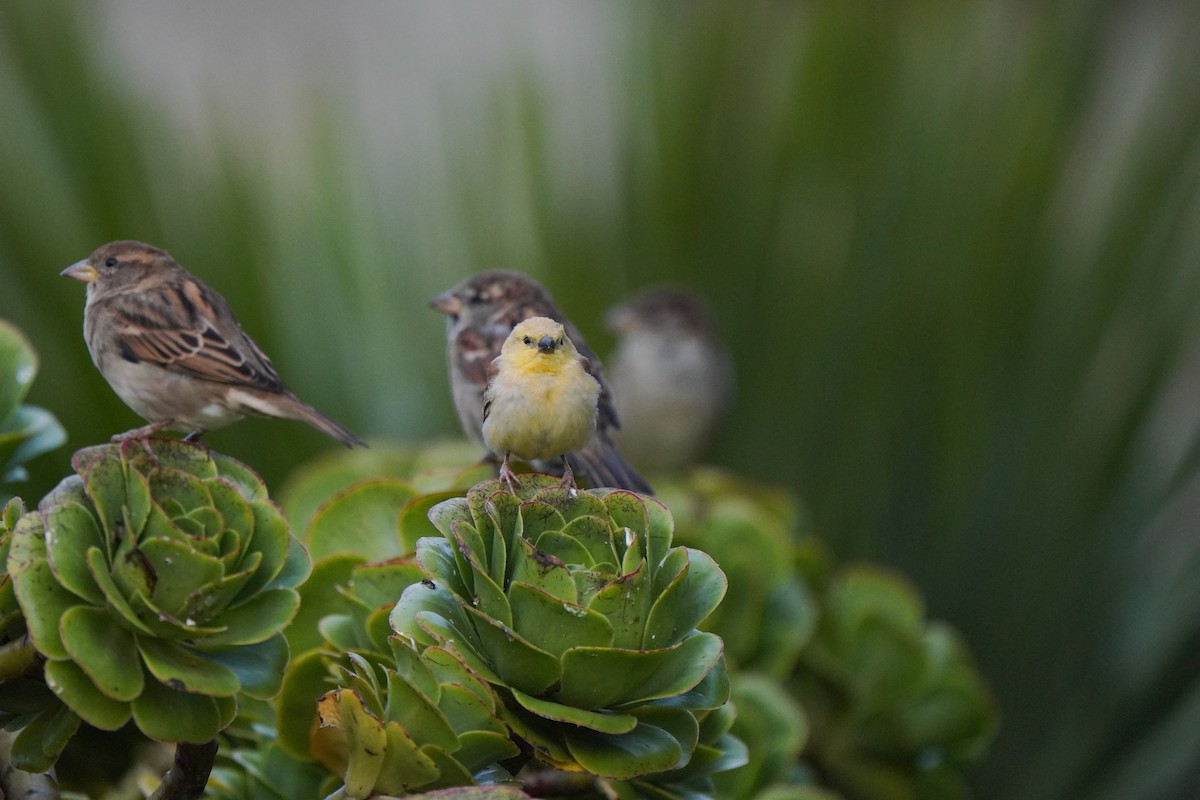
x: 171, y: 348
x: 541, y: 398
x: 672, y: 377
x: 482, y: 310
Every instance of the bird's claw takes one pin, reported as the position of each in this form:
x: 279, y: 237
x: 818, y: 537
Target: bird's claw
x: 567, y: 483
x: 508, y: 477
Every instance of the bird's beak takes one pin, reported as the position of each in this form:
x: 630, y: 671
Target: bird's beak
x: 446, y: 303
x: 81, y: 271
x: 546, y: 344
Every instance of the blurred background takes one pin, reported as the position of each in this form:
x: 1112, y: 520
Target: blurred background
x: 955, y: 251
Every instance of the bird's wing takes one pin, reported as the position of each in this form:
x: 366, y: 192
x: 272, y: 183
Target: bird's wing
x: 492, y: 368
x: 476, y: 347
x: 186, y: 327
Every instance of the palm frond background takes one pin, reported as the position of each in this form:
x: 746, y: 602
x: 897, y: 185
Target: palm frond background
x: 955, y: 249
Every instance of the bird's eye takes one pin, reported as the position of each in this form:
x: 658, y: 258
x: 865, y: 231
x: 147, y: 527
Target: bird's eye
x: 528, y: 340
x: 560, y: 341
x: 111, y: 261
x: 476, y: 298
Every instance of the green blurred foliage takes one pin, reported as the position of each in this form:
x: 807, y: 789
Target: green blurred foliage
x: 960, y: 246
x: 25, y: 431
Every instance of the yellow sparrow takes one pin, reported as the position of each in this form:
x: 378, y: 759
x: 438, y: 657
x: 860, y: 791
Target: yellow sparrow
x: 540, y: 399
x: 672, y: 378
x: 171, y: 348
x: 483, y: 309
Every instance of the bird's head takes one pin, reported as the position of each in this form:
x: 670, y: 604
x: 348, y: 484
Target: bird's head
x: 119, y: 263
x: 663, y: 310
x: 492, y: 293
x: 538, y: 340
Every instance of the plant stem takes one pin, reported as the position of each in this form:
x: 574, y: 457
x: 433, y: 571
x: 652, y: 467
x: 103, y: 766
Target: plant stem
x: 555, y: 783
x: 186, y: 779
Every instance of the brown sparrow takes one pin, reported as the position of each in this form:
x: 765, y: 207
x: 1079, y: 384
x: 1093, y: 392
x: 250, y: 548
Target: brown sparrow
x: 483, y: 310
x: 673, y: 380
x: 171, y: 348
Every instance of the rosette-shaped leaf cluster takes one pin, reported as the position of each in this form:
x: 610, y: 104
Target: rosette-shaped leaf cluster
x: 25, y: 431
x: 43, y: 725
x: 842, y: 683
x: 580, y: 615
x: 428, y: 723
x: 391, y: 724
x: 752, y: 532
x: 896, y: 706
x: 156, y: 582
x: 12, y: 624
x: 317, y: 494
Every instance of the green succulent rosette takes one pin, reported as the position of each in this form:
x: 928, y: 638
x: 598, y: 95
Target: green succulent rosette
x: 895, y: 703
x: 156, y: 583
x: 769, y: 614
x: 42, y: 725
x: 424, y: 723
x: 842, y: 681
x: 378, y: 718
x: 25, y: 431
x: 576, y: 611
x: 12, y: 624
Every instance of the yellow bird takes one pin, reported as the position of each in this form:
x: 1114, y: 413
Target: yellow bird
x: 540, y: 400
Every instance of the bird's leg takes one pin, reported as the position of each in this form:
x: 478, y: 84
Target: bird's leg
x: 143, y: 432
x: 141, y: 436
x: 568, y: 476
x: 508, y: 477
x: 194, y: 436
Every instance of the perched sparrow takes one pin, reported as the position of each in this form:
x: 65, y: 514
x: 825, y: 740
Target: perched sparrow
x: 171, y: 348
x: 483, y: 310
x: 672, y: 379
x: 540, y: 399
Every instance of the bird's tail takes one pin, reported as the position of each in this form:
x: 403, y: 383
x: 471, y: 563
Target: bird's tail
x: 303, y: 412
x: 602, y: 464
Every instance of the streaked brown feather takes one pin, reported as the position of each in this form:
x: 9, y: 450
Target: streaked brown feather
x: 183, y: 327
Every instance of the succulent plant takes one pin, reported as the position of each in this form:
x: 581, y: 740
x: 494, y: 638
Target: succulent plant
x: 841, y: 682
x: 156, y: 582
x: 896, y: 706
x: 352, y: 676
x: 580, y: 616
x: 769, y: 614
x: 12, y: 624
x: 255, y: 767
x: 503, y: 587
x: 315, y: 488
x: 42, y: 724
x: 775, y: 731
x: 25, y: 431
x: 424, y: 723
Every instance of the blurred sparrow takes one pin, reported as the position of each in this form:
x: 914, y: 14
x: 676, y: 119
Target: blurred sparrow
x: 171, y: 348
x: 672, y: 378
x: 482, y: 311
x: 540, y: 399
